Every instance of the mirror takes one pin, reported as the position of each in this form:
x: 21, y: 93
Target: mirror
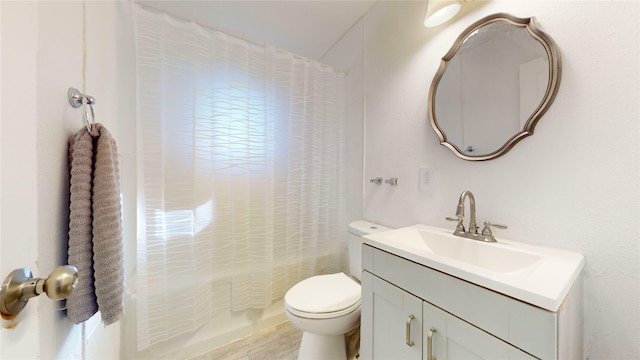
x: 497, y: 80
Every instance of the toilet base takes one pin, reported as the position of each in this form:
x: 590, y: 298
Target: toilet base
x: 322, y: 347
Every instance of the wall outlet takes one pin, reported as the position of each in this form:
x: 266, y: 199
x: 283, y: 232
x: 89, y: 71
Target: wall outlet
x: 427, y: 178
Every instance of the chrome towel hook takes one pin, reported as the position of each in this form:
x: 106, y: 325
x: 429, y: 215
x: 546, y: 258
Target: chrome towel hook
x: 78, y: 99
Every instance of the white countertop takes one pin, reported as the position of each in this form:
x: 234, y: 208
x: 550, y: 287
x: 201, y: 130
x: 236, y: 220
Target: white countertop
x: 541, y: 276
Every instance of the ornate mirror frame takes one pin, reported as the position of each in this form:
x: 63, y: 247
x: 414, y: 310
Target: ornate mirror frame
x: 553, y: 56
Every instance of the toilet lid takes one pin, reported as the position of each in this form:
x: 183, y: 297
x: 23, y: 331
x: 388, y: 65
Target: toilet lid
x: 324, y: 294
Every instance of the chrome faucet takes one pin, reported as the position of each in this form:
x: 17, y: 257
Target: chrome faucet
x: 472, y: 233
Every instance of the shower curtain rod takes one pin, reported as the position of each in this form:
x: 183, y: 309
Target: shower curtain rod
x: 224, y: 31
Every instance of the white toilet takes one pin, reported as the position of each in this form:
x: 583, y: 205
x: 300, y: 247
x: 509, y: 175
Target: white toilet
x: 326, y: 307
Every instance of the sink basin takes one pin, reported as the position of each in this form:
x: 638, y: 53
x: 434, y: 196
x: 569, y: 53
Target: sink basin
x: 538, y: 275
x: 490, y: 256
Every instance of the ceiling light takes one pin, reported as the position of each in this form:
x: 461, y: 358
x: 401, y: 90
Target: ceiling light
x: 439, y: 12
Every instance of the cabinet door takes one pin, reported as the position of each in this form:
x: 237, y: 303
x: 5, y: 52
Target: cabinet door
x: 453, y: 339
x: 390, y: 317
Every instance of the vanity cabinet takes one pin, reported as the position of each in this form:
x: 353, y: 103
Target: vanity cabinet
x: 394, y: 318
x: 470, y: 322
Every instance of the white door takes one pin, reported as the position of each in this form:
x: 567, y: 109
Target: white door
x: 41, y: 55
x: 18, y: 169
x: 455, y: 339
x: 393, y: 320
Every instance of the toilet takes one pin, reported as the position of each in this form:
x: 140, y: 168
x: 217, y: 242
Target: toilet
x: 326, y: 307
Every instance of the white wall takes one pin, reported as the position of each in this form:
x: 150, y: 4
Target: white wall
x: 573, y: 185
x: 347, y: 56
x: 41, y: 57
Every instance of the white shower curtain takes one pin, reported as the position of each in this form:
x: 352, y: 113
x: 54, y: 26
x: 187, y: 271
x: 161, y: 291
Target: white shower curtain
x: 241, y: 174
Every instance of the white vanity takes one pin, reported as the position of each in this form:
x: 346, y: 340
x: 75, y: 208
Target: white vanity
x: 427, y: 294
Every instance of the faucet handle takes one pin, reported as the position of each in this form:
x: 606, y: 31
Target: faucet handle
x: 486, y: 232
x: 460, y: 226
x: 487, y: 225
x: 392, y: 181
x: 487, y: 228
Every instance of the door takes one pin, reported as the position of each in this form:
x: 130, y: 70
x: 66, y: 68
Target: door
x: 456, y: 339
x: 392, y: 320
x: 39, y: 66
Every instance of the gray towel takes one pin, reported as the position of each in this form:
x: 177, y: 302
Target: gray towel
x: 95, y: 227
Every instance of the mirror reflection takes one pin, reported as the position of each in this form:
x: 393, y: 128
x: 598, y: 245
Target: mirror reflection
x: 497, y: 80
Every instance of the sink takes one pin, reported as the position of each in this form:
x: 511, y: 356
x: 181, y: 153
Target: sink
x: 491, y: 256
x: 538, y: 275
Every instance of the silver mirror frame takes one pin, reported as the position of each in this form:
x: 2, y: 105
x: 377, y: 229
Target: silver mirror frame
x: 555, y: 71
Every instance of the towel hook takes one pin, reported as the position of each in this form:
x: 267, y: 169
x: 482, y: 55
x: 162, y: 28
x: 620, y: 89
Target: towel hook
x: 78, y: 99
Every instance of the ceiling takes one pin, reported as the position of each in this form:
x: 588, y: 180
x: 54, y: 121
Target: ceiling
x: 307, y: 28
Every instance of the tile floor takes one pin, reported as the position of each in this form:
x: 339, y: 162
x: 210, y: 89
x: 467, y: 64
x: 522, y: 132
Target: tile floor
x: 278, y: 343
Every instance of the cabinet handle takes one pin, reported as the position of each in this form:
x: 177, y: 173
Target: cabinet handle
x: 429, y: 346
x: 408, y: 330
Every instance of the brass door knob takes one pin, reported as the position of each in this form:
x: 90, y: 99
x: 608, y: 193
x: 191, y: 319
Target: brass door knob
x: 20, y: 286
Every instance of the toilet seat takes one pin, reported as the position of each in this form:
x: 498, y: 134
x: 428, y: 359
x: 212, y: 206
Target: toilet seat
x: 323, y: 296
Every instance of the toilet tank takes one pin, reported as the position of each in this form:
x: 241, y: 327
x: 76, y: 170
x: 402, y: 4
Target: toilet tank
x: 357, y: 230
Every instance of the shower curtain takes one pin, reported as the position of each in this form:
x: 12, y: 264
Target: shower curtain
x: 241, y: 174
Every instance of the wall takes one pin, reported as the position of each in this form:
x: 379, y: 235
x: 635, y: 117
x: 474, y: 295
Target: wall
x: 347, y: 56
x: 573, y: 185
x: 41, y: 57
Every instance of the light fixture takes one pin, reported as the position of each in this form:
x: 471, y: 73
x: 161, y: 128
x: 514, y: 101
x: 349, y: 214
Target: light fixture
x: 20, y: 286
x: 440, y: 11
